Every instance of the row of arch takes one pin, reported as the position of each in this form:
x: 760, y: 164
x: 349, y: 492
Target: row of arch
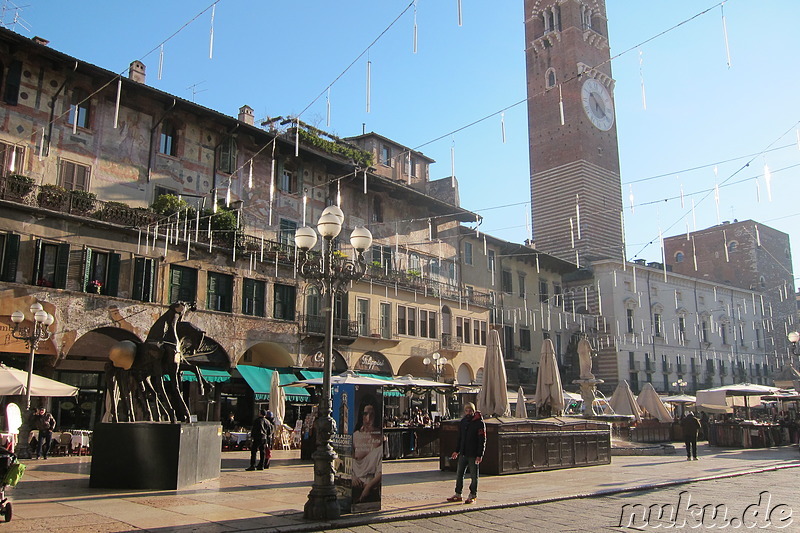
x: 95, y: 345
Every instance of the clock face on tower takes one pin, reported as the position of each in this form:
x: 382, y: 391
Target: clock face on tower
x: 597, y: 104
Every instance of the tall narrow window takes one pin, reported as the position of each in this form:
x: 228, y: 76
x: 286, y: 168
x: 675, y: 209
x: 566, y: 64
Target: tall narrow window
x: 467, y: 330
x: 253, y: 296
x: 521, y: 280
x: 468, y: 253
x: 544, y: 294
x: 432, y: 324
x: 226, y: 156
x: 12, y: 158
x: 658, y: 325
x: 9, y: 253
x: 73, y: 176
x: 168, y: 142
x: 50, y: 264
x: 423, y: 323
x: 506, y: 282
x: 286, y: 232
x: 79, y: 108
x: 629, y: 319
x: 286, y: 181
x: 219, y: 294
x: 386, y: 155
x: 101, y: 272
x: 412, y: 321
x: 144, y: 279
x: 377, y: 210
x: 283, y: 302
x: 386, y: 320
x: 182, y: 284
x: 362, y: 315
x: 401, y: 320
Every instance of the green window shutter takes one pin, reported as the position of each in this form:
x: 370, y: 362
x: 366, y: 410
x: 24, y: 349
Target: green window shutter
x: 112, y: 275
x: 62, y: 262
x: 138, y: 292
x: 150, y: 280
x: 10, y: 257
x: 87, y: 268
x: 37, y: 259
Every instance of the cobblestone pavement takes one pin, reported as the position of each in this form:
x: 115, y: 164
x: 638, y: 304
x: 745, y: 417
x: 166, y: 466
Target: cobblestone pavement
x: 745, y: 505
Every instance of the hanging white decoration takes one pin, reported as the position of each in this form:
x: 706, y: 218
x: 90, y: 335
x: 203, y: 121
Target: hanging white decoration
x: 503, y: 126
x: 161, y: 61
x: 116, y: 103
x: 75, y: 111
x: 272, y: 183
x: 725, y: 240
x: 414, y: 44
x: 641, y: 78
x: 682, y: 206
x: 725, y: 34
x: 430, y: 229
x: 716, y: 200
x: 453, y: 164
x: 297, y: 138
x: 196, y: 225
x: 758, y: 237
x: 261, y: 252
x: 228, y: 194
x: 339, y: 194
x: 630, y: 198
x: 12, y: 165
x: 369, y: 83
x: 250, y: 175
x: 211, y: 35
x: 328, y: 109
x: 560, y: 105
x: 41, y: 145
x: 365, y: 181
x: 305, y: 207
x: 572, y: 232
x: 797, y: 134
x: 459, y: 13
x: 578, y: 214
x: 537, y: 264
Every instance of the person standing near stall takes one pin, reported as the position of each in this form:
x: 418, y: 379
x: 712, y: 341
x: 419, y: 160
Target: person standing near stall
x: 260, y: 435
x: 45, y: 423
x: 690, y: 425
x: 469, y: 452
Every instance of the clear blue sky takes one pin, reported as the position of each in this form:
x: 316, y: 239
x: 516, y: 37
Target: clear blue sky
x: 278, y: 57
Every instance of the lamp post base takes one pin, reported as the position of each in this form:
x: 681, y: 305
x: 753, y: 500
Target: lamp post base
x: 322, y: 504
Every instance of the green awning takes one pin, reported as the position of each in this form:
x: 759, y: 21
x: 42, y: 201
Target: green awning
x: 311, y: 374
x: 211, y: 375
x: 259, y: 379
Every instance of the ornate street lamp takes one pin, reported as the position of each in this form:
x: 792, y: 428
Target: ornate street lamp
x: 680, y: 384
x: 437, y: 362
x: 330, y: 274
x: 32, y: 337
x: 794, y: 337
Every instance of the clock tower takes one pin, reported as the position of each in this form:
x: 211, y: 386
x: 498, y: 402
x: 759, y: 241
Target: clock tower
x: 576, y: 192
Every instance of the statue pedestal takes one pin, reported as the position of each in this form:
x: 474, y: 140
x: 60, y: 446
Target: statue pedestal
x: 156, y: 456
x: 588, y: 387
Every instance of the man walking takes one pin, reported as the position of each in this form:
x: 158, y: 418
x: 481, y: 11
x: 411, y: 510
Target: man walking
x: 45, y: 423
x: 690, y: 425
x: 469, y: 452
x: 260, y: 434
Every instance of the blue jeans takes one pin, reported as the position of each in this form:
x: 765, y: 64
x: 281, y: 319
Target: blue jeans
x: 43, y: 443
x: 467, y: 463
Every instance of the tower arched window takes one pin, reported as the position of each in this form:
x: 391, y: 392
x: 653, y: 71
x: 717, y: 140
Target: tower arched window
x: 679, y: 257
x: 550, y: 78
x: 733, y: 246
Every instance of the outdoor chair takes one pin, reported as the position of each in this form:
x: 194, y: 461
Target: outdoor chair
x: 64, y: 446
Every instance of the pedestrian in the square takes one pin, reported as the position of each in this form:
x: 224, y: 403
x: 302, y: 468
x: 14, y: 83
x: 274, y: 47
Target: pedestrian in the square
x: 469, y: 452
x: 45, y: 423
x: 260, y: 434
x: 690, y: 425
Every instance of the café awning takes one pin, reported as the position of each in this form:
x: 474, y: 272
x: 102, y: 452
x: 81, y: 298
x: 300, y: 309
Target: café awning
x: 212, y: 375
x: 259, y: 378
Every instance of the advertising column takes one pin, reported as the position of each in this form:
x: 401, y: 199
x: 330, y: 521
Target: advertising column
x: 358, y: 411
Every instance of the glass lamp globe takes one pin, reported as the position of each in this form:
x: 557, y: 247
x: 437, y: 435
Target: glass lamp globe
x: 334, y: 210
x: 793, y: 336
x: 361, y: 238
x: 50, y: 319
x: 305, y: 238
x: 40, y: 316
x: 36, y: 306
x: 17, y: 317
x: 329, y: 225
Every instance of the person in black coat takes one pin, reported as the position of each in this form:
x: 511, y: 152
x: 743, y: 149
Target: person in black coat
x: 469, y: 452
x: 690, y: 425
x: 260, y: 435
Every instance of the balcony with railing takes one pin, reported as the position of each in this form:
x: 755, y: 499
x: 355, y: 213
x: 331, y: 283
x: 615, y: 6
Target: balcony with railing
x: 344, y: 330
x: 374, y: 334
x: 635, y: 366
x: 412, y: 280
x: 649, y: 367
x: 450, y: 343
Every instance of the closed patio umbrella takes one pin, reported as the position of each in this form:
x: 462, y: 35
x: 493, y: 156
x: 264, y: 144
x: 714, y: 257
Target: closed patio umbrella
x: 650, y: 401
x: 548, y: 381
x: 13, y: 383
x: 623, y: 402
x: 277, y: 398
x: 520, y: 411
x: 493, y: 396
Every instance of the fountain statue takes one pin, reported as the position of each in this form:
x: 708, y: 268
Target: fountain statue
x: 587, y: 382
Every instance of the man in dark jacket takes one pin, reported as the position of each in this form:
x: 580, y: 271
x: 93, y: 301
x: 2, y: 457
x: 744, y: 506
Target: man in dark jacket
x: 690, y: 425
x: 260, y: 434
x: 469, y: 452
x: 45, y: 423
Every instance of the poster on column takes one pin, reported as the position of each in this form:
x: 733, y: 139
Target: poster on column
x: 358, y: 411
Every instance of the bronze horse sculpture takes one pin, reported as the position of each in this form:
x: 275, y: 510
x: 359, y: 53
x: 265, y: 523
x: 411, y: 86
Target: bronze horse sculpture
x: 136, y: 371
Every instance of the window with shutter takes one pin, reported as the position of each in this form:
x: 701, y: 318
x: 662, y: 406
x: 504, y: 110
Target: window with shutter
x: 144, y: 274
x: 226, y: 157
x: 219, y: 296
x: 12, y: 158
x: 182, y: 284
x: 9, y: 246
x: 73, y: 176
x: 254, y: 294
x: 284, y: 301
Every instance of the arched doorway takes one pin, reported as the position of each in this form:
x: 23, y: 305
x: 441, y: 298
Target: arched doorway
x: 464, y: 375
x: 415, y: 366
x: 447, y: 321
x: 267, y: 354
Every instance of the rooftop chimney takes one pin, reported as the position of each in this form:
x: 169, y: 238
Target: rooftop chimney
x: 136, y: 72
x: 246, y: 115
x: 41, y: 40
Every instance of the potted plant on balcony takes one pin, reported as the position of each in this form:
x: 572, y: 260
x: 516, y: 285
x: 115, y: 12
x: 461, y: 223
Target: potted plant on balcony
x: 82, y: 202
x: 17, y: 186
x: 52, y: 197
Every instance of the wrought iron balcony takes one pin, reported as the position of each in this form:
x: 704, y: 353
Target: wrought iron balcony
x: 314, y: 325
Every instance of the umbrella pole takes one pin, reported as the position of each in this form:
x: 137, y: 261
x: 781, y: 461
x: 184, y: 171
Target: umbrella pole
x: 23, y: 450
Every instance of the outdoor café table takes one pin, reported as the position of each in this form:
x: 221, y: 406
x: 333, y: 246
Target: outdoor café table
x: 238, y: 437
